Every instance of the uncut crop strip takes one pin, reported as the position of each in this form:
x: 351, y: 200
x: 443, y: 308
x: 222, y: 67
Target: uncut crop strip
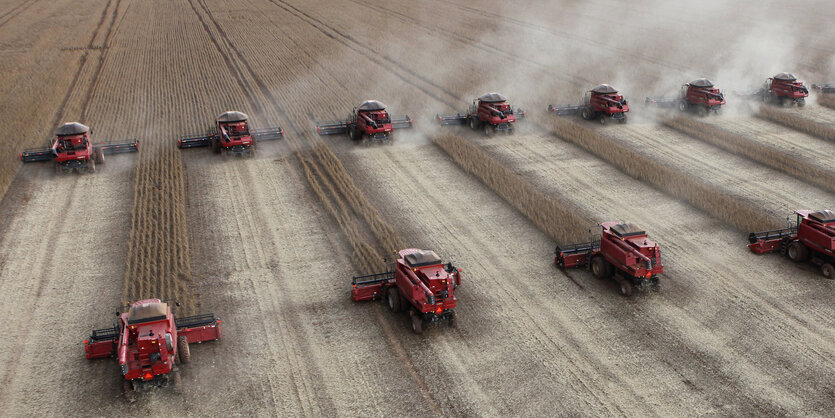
x: 827, y: 100
x: 714, y: 202
x: 755, y: 151
x: 798, y: 123
x: 559, y: 221
x: 157, y: 263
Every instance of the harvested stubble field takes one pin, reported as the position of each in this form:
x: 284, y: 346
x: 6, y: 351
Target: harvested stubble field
x: 269, y: 244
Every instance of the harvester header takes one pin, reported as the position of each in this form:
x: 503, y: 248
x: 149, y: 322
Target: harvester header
x: 370, y: 121
x: 602, y: 102
x: 811, y: 238
x: 490, y: 111
x: 73, y: 149
x: 231, y: 135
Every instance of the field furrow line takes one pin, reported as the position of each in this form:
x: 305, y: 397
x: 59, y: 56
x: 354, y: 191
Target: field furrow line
x: 797, y: 122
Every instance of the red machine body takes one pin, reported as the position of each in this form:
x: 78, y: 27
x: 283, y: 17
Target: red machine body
x: 623, y: 251
x: 418, y: 282
x: 601, y: 103
x: 783, y: 89
x: 231, y: 135
x: 811, y: 238
x: 369, y: 121
x: 148, y: 342
x: 698, y: 95
x: 490, y: 112
x: 73, y: 150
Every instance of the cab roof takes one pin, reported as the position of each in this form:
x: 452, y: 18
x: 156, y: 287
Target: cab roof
x: 422, y: 258
x: 372, y: 105
x: 785, y: 77
x: 147, y: 312
x: 823, y: 216
x: 72, y: 128
x: 701, y: 82
x: 232, y: 116
x: 492, y: 98
x: 627, y: 230
x: 604, y: 89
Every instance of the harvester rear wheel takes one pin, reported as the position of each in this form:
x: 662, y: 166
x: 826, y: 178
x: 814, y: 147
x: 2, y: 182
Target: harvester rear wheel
x: 600, y: 267
x: 797, y: 252
x: 91, y: 166
x: 828, y: 271
x: 183, y: 351
x: 393, y: 299
x: 625, y: 288
x: 417, y: 324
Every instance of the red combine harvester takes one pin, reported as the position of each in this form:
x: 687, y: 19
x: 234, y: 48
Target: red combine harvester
x: 824, y: 88
x: 782, y: 89
x: 148, y: 342
x: 602, y: 102
x: 418, y: 282
x: 231, y: 135
x: 490, y: 112
x: 698, y: 95
x: 812, y: 238
x: 368, y: 122
x: 623, y: 251
x: 74, y: 150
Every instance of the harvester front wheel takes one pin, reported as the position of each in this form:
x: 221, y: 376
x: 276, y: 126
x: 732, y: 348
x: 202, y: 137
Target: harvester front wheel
x: 417, y: 324
x: 797, y: 252
x: 603, y: 119
x: 215, y: 146
x: 176, y: 380
x: 183, y: 351
x: 91, y: 166
x: 625, y: 288
x: 801, y: 102
x: 600, y: 267
x: 453, y: 319
x: 488, y: 130
x: 682, y: 105
x: 393, y: 299
x: 585, y: 113
x: 828, y: 271
x: 98, y: 155
x: 474, y: 123
x: 702, y: 111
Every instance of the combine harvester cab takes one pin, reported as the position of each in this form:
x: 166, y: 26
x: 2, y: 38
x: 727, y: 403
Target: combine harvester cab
x: 699, y: 96
x: 783, y: 89
x: 73, y: 150
x: 148, y: 342
x: 811, y: 238
x: 623, y: 251
x: 368, y: 122
x: 827, y: 88
x: 418, y: 282
x: 231, y: 136
x: 602, y: 102
x: 490, y: 112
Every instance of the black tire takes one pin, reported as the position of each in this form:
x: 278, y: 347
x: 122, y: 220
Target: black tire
x: 717, y: 110
x: 127, y: 390
x: 252, y: 152
x: 417, y: 324
x: 474, y: 123
x: 801, y: 102
x: 623, y: 121
x: 797, y: 252
x: 626, y: 288
x: 585, y: 113
x: 702, y: 111
x: 215, y: 145
x: 183, y: 351
x: 352, y: 134
x: 828, y: 271
x: 99, y: 156
x: 176, y: 380
x: 602, y: 119
x: 57, y: 168
x: 683, y: 105
x: 453, y: 319
x: 393, y: 299
x: 600, y: 268
x: 488, y: 129
x: 91, y: 166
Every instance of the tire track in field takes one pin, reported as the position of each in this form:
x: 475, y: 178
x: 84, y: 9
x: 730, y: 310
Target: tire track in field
x: 102, y: 55
x: 15, y: 11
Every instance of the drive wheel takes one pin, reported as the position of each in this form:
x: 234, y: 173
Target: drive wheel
x: 176, y: 380
x: 828, y: 271
x: 488, y: 130
x: 702, y: 111
x: 417, y: 324
x: 183, y: 351
x: 453, y: 319
x: 801, y: 102
x: 474, y: 123
x: 682, y: 106
x: 797, y: 252
x: 585, y: 113
x: 625, y: 288
x: 215, y: 146
x: 600, y: 267
x: 393, y: 299
x: 91, y: 166
x: 602, y: 119
x: 127, y: 390
x: 623, y: 121
x: 98, y: 155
